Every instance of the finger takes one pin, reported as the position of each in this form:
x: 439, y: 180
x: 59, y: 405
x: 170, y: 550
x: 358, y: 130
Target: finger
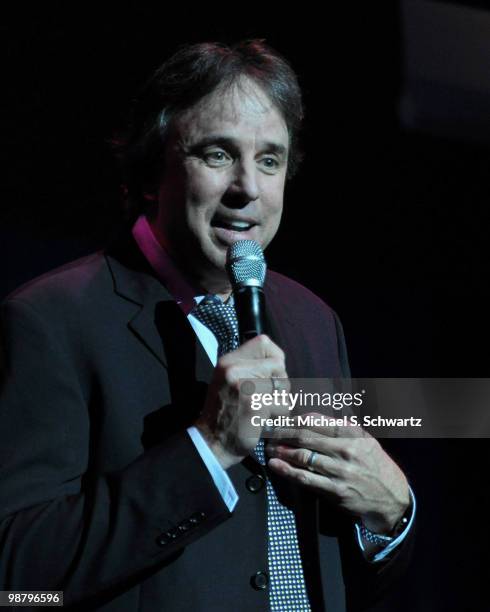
x: 300, y: 436
x: 343, y: 448
x: 297, y: 439
x: 315, y: 424
x: 272, y: 391
x: 259, y: 371
x: 259, y: 347
x: 332, y: 426
x: 297, y: 432
x: 303, y: 477
x: 280, y: 384
x: 307, y: 459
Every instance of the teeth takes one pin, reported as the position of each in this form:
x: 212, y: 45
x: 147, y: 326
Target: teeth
x: 238, y: 225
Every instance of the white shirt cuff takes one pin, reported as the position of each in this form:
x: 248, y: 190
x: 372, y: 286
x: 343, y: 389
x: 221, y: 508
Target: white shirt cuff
x: 218, y: 474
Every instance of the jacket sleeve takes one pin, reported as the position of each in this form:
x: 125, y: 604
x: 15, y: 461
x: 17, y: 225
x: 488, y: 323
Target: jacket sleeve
x: 60, y: 527
x: 365, y: 582
x: 341, y: 347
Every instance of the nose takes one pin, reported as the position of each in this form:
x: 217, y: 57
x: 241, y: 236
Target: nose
x: 244, y: 186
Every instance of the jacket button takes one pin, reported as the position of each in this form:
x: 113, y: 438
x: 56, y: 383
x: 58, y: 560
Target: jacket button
x: 259, y: 581
x: 164, y: 539
x: 185, y: 525
x: 255, y: 483
x: 197, y: 518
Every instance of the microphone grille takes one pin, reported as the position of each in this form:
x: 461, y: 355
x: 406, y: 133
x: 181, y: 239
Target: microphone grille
x: 246, y: 264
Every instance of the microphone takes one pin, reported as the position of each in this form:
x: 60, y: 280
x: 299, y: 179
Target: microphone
x: 246, y: 269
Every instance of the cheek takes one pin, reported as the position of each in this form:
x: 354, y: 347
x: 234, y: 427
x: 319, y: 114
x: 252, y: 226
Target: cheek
x: 273, y: 197
x: 205, y: 186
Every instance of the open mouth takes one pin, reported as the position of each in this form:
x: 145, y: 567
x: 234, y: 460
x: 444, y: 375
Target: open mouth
x: 235, y: 225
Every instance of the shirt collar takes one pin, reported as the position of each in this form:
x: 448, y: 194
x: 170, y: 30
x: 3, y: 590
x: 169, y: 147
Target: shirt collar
x: 168, y: 273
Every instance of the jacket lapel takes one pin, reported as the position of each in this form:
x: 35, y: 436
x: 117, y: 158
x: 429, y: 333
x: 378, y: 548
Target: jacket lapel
x: 155, y: 310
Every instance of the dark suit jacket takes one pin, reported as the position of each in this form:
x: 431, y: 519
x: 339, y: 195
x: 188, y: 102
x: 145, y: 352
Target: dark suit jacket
x: 102, y: 493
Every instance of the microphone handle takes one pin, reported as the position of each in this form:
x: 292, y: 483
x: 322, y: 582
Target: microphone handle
x: 250, y: 310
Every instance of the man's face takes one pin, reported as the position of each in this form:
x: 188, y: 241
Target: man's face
x: 224, y: 178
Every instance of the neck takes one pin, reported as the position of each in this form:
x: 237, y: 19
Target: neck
x: 202, y: 281
x: 205, y: 284
x: 223, y: 296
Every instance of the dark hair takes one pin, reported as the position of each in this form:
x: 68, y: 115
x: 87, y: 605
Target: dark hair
x: 179, y: 83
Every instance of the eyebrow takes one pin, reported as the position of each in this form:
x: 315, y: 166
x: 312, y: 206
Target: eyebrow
x: 231, y: 143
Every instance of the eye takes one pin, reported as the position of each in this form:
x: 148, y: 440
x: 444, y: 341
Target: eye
x: 269, y: 163
x: 216, y: 157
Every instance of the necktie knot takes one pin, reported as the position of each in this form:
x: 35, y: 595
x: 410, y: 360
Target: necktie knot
x: 221, y: 319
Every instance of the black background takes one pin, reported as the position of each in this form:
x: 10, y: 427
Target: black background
x: 387, y: 225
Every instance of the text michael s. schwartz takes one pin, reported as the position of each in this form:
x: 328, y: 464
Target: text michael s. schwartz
x: 315, y: 420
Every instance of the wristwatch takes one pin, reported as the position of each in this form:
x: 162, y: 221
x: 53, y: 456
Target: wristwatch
x: 384, y: 540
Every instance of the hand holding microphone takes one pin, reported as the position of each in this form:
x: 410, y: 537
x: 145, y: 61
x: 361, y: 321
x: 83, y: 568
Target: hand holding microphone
x: 225, y: 420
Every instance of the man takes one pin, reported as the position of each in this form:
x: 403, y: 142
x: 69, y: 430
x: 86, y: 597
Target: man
x: 125, y: 477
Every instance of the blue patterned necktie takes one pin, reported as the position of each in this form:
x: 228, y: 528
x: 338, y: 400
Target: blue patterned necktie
x: 221, y: 319
x: 287, y: 586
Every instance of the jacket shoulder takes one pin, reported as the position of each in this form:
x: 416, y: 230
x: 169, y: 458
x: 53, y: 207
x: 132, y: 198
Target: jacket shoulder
x: 74, y: 281
x: 296, y: 296
x: 309, y: 327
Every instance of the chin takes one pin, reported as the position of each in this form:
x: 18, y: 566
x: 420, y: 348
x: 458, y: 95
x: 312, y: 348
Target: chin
x: 218, y: 262
x: 211, y: 261
x: 214, y: 252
